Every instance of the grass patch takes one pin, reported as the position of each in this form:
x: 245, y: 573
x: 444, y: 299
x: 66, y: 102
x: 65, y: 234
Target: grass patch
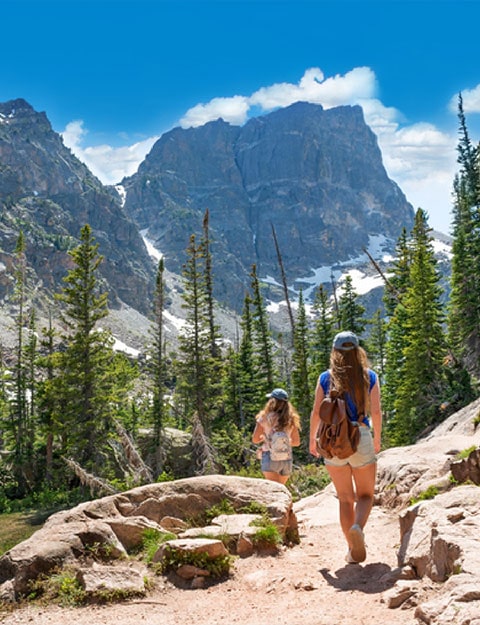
x: 430, y: 493
x: 61, y: 587
x: 224, y: 507
x: 151, y: 541
x: 268, y: 535
x: 16, y: 527
x: 465, y: 452
x: 173, y: 559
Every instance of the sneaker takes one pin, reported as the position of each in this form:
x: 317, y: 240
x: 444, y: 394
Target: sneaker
x: 357, y: 541
x: 349, y: 559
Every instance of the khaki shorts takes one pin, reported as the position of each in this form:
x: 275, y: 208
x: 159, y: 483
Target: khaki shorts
x: 364, y: 455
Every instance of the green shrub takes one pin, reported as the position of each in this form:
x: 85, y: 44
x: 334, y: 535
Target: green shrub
x: 429, y: 493
x: 173, y: 559
x: 268, y: 535
x: 61, y: 587
x: 465, y: 452
x: 254, y: 507
x: 151, y: 541
x: 224, y: 507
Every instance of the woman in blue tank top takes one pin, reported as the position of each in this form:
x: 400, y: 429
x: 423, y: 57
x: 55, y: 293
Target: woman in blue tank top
x: 353, y: 477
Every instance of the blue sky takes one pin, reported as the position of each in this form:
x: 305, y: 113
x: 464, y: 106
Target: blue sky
x: 112, y: 75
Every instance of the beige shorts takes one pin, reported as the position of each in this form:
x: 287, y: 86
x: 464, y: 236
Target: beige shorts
x: 364, y: 455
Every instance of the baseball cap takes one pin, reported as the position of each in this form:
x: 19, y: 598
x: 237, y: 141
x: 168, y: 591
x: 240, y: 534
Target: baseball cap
x: 279, y: 393
x: 345, y: 341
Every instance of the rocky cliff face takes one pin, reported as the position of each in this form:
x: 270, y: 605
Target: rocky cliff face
x: 49, y: 194
x: 316, y: 176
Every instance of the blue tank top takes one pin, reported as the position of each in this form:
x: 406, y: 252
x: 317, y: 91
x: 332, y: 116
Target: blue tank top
x: 324, y: 381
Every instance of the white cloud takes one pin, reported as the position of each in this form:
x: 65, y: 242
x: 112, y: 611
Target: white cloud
x: 109, y: 164
x: 356, y: 85
x: 471, y: 101
x: 419, y: 157
x: 233, y: 110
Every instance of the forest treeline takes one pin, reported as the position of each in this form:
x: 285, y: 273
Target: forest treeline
x: 72, y: 408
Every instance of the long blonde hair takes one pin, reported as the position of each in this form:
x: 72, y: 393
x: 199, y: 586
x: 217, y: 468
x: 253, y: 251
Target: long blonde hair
x: 286, y: 414
x: 349, y: 374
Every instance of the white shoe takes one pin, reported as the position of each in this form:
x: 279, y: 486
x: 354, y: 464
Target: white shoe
x: 357, y: 541
x: 349, y: 559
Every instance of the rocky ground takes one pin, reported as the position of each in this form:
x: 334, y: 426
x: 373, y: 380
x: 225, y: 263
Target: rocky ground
x: 308, y: 583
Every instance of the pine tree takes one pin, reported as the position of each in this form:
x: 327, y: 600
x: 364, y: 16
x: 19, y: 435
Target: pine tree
x: 396, y: 325
x: 158, y: 369
x: 213, y: 329
x: 87, y: 386
x: 377, y: 344
x: 262, y: 334
x: 321, y: 336
x: 48, y: 406
x: 350, y: 312
x: 17, y: 425
x: 420, y: 389
x: 464, y: 314
x: 302, y: 396
x: 243, y: 385
x: 195, y: 382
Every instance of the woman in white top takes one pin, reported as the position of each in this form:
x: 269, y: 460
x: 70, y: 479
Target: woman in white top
x: 278, y: 415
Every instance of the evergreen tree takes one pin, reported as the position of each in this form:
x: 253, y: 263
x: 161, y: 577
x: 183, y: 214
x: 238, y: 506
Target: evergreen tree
x: 243, y: 386
x: 158, y: 369
x: 302, y: 396
x: 48, y: 407
x: 321, y: 336
x: 262, y: 334
x: 87, y: 387
x: 195, y: 382
x: 350, y: 312
x: 18, y: 435
x: 396, y: 325
x: 464, y: 314
x: 213, y: 329
x: 377, y: 344
x: 420, y: 389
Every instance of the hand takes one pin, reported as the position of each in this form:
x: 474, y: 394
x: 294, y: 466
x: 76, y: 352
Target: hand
x: 313, y: 449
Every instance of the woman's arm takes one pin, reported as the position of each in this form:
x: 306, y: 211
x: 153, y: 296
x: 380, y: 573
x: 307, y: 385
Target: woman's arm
x: 315, y: 420
x: 258, y: 435
x: 295, y: 437
x: 376, y: 414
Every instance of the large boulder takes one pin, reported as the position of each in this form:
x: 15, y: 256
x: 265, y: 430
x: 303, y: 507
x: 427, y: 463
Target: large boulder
x: 439, y: 521
x: 405, y: 473
x: 115, y: 524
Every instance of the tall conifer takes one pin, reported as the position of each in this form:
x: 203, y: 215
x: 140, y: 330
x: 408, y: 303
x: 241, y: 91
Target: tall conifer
x: 464, y: 314
x: 420, y: 390
x: 87, y: 383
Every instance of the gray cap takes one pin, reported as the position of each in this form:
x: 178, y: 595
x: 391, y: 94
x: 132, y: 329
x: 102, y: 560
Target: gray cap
x: 279, y: 393
x: 345, y: 341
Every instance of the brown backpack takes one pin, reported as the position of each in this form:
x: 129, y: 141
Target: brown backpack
x: 337, y: 436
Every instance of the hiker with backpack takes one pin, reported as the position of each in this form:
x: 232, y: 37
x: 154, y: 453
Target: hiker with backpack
x: 277, y: 428
x: 353, y: 477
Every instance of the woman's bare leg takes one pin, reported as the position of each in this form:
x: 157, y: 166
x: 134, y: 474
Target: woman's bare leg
x: 342, y: 480
x: 364, y: 478
x: 275, y: 477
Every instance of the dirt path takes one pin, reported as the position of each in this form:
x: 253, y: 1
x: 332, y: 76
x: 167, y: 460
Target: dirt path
x: 309, y: 584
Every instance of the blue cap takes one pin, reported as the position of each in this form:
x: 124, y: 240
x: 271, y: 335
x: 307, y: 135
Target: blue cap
x: 279, y: 393
x: 345, y: 341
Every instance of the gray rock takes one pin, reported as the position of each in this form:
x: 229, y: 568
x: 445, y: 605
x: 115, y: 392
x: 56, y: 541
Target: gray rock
x: 111, y: 579
x: 110, y: 526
